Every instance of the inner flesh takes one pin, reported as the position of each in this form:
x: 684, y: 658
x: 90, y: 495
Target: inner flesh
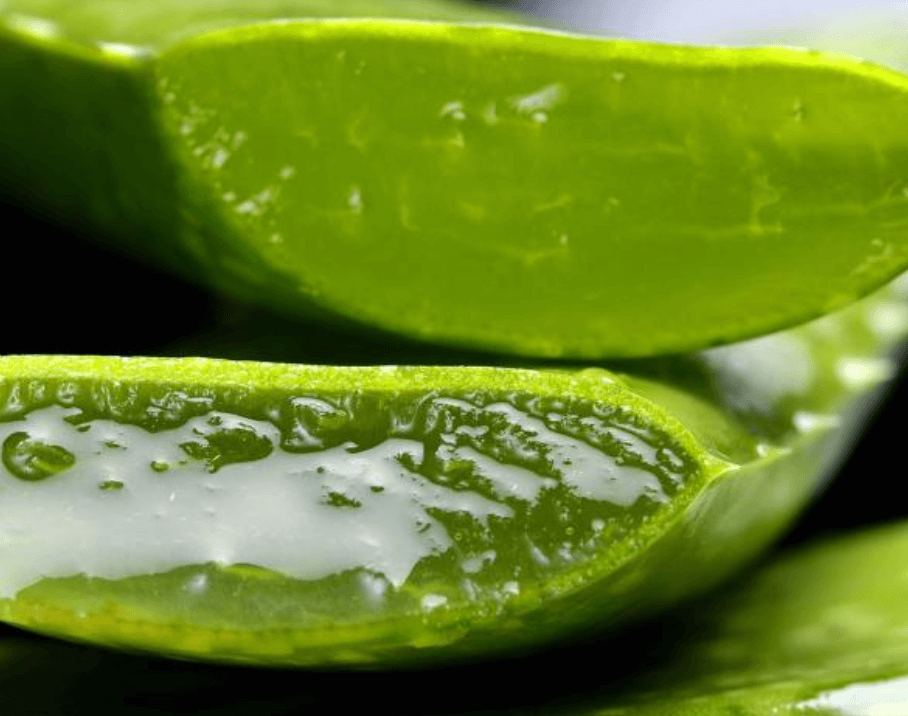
x: 254, y: 510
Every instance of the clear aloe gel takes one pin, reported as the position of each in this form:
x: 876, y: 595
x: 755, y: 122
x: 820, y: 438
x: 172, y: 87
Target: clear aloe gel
x: 309, y: 515
x: 305, y: 515
x: 541, y: 193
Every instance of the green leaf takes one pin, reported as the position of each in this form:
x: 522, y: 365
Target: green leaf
x: 483, y: 185
x: 310, y: 515
x: 820, y: 631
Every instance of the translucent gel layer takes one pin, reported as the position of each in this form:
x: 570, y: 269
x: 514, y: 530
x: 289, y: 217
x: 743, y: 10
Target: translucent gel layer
x: 396, y: 501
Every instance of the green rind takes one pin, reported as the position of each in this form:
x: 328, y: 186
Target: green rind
x: 819, y: 631
x: 346, y: 214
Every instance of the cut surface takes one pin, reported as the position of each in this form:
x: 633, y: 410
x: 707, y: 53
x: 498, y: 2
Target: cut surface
x: 393, y: 514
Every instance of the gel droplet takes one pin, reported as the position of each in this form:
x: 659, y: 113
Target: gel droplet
x: 32, y: 459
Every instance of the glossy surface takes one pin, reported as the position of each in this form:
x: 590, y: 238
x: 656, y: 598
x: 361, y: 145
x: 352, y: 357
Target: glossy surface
x: 307, y: 515
x: 361, y: 513
x: 384, y: 484
x: 818, y: 632
x: 639, y: 167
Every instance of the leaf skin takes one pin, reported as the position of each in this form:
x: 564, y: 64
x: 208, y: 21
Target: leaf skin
x: 819, y: 631
x: 160, y: 564
x: 666, y: 198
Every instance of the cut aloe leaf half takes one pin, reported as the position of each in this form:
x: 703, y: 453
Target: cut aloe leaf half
x: 306, y: 515
x: 309, y: 515
x: 467, y: 183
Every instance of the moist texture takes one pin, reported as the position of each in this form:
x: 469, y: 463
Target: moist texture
x: 330, y: 508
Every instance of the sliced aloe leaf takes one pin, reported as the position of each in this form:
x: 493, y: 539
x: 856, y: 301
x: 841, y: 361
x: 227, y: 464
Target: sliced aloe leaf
x: 309, y: 515
x: 489, y: 186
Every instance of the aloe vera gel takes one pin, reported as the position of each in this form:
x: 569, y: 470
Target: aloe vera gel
x: 337, y: 517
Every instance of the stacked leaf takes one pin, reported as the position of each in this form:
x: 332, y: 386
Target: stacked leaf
x: 463, y: 182
x: 477, y: 184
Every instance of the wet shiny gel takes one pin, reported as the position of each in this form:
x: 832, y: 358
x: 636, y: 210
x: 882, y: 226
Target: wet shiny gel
x: 398, y: 502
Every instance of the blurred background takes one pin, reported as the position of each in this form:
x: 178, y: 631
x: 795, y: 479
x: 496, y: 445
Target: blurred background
x: 708, y: 20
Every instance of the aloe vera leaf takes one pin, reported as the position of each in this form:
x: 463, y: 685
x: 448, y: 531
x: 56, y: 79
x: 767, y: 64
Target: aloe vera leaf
x: 666, y: 198
x: 307, y: 515
x: 820, y: 631
x: 326, y: 515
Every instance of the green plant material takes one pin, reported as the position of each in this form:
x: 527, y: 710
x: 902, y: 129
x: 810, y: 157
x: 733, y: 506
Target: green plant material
x: 821, y: 631
x: 489, y: 186
x: 307, y: 515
